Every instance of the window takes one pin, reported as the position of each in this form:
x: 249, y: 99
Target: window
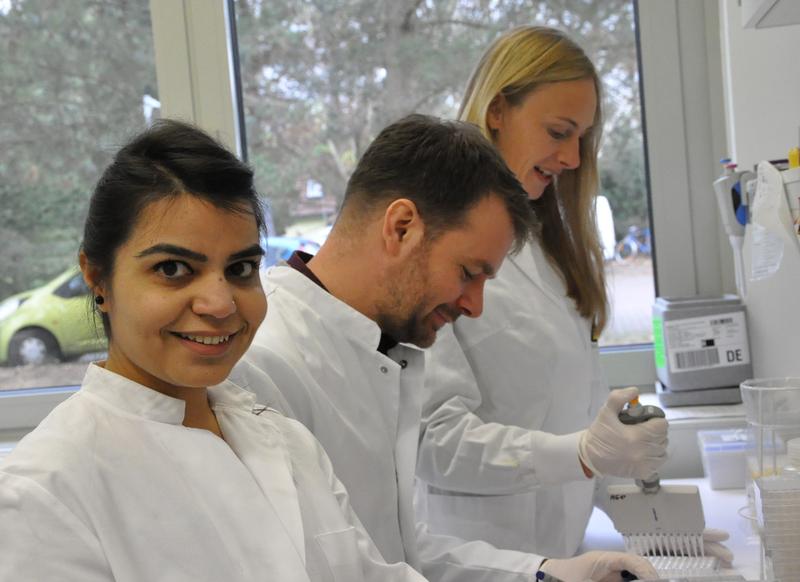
x: 320, y: 80
x: 64, y: 110
x: 76, y: 80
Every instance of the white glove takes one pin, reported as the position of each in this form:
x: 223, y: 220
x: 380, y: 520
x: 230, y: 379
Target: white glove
x: 712, y: 546
x: 609, y: 447
x: 599, y: 567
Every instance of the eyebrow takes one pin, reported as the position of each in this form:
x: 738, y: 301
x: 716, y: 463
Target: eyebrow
x: 568, y: 120
x: 169, y: 249
x: 575, y: 125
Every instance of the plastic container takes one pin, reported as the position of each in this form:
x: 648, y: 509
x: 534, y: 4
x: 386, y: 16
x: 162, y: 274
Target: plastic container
x: 723, y: 453
x: 792, y: 468
x: 700, y: 342
x: 772, y: 408
x: 772, y: 402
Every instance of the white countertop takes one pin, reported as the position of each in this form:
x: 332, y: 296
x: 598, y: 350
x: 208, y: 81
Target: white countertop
x: 723, y: 509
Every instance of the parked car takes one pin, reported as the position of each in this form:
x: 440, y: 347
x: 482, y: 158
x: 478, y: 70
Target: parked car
x: 280, y: 248
x: 50, y: 323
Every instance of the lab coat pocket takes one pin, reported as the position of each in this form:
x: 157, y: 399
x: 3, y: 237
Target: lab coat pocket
x: 340, y: 552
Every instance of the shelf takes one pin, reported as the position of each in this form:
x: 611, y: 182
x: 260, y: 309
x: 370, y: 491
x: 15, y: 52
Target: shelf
x: 769, y: 13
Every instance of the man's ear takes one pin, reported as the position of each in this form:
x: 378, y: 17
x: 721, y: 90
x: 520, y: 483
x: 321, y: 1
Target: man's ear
x: 91, y: 276
x: 495, y: 112
x: 403, y: 229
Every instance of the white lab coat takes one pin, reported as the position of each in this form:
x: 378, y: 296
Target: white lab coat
x: 111, y: 486
x: 364, y: 407
x: 494, y: 383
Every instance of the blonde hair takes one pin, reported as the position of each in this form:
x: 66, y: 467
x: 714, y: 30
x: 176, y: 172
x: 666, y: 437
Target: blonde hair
x: 514, y: 65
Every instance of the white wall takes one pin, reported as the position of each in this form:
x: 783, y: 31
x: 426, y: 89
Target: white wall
x: 761, y: 76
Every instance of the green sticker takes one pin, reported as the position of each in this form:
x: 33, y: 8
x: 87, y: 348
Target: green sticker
x: 658, y: 343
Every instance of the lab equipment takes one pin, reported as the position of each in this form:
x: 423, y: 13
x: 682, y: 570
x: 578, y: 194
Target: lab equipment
x: 635, y: 413
x: 730, y: 189
x: 773, y: 410
x: 701, y: 349
x: 723, y: 453
x: 667, y: 527
x: 686, y: 567
x: 670, y: 521
x: 664, y: 522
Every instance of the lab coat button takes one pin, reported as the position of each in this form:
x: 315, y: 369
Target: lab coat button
x: 404, y: 364
x: 384, y: 369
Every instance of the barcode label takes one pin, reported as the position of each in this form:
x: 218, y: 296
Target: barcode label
x: 697, y: 359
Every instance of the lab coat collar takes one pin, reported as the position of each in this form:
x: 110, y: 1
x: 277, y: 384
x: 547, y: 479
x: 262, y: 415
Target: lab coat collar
x: 526, y: 262
x: 333, y: 312
x: 229, y: 394
x: 138, y: 400
x: 131, y: 397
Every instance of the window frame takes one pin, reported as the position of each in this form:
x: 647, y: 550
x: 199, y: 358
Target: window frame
x: 683, y: 120
x: 684, y: 136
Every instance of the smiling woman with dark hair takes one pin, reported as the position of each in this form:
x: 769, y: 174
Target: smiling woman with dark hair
x: 158, y: 468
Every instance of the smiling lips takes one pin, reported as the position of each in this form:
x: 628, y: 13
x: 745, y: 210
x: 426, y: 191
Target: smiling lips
x: 442, y: 316
x: 545, y: 175
x: 207, y: 340
x: 206, y: 345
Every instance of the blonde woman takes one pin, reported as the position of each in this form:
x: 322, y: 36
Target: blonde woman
x: 506, y: 455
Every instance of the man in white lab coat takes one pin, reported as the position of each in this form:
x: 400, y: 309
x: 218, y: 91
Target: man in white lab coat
x: 429, y: 215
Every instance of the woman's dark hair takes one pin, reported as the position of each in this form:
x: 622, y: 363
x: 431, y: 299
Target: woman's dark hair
x: 168, y: 159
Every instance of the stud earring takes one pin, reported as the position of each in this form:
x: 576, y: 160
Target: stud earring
x: 98, y: 299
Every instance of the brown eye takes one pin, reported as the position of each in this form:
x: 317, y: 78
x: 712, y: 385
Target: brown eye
x: 172, y: 269
x: 243, y: 269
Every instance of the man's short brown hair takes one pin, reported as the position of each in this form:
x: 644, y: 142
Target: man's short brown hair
x: 443, y: 167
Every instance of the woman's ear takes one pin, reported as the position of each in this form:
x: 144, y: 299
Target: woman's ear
x: 403, y: 227
x: 91, y: 276
x: 495, y: 112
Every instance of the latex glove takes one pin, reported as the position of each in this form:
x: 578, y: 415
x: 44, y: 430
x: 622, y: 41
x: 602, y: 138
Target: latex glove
x: 599, y: 567
x: 712, y: 546
x: 609, y: 447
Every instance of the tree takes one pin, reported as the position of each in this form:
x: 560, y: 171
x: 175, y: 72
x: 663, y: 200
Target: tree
x: 72, y: 77
x: 321, y: 78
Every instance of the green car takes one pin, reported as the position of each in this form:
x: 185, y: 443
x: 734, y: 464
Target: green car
x: 50, y: 323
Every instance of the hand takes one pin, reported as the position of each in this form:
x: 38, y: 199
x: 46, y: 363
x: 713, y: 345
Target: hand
x: 599, y: 567
x: 712, y: 546
x: 609, y: 447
